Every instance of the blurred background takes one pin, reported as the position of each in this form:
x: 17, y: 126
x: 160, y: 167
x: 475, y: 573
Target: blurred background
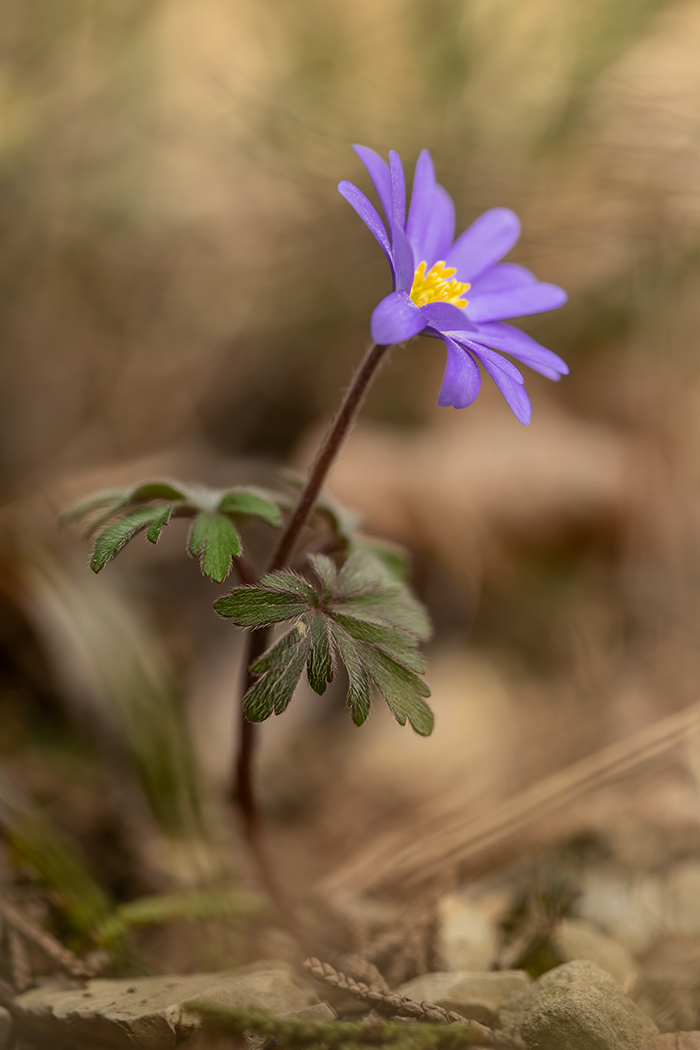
x: 183, y: 292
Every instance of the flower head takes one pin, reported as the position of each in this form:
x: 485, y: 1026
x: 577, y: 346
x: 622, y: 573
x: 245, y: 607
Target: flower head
x: 456, y: 290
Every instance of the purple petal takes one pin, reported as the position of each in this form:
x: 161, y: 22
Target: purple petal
x: 490, y: 357
x: 513, y: 391
x: 421, y: 204
x: 483, y: 243
x: 445, y: 317
x: 403, y: 259
x: 378, y: 171
x: 501, y: 277
x: 396, y: 318
x: 441, y: 227
x: 532, y: 299
x: 519, y: 344
x: 462, y: 380
x: 369, y: 215
x: 398, y: 190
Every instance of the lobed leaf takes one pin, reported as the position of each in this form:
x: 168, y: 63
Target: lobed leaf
x: 159, y: 523
x: 325, y: 569
x: 359, y: 687
x: 288, y: 582
x: 251, y: 502
x: 257, y: 607
x: 215, y: 540
x: 107, y: 497
x: 396, y: 643
x: 281, y: 668
x: 319, y: 665
x: 160, y: 490
x: 119, y: 533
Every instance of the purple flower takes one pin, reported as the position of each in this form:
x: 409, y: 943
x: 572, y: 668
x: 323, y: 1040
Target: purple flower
x: 433, y: 273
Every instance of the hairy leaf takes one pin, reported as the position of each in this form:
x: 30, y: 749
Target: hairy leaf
x: 327, y: 573
x: 117, y: 535
x: 216, y: 541
x: 395, y: 642
x: 319, y: 666
x: 160, y: 490
x: 359, y: 689
x: 248, y: 501
x: 281, y: 668
x: 158, y: 524
x: 287, y: 582
x: 390, y: 556
x: 257, y: 607
x: 106, y: 498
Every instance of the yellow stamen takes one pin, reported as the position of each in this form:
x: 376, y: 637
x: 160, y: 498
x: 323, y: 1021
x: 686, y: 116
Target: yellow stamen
x: 435, y: 286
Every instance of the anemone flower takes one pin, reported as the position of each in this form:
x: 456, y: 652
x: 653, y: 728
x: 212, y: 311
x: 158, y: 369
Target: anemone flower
x: 433, y: 273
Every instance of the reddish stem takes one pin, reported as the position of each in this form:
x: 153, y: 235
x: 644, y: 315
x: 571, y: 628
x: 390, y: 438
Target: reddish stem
x: 256, y: 641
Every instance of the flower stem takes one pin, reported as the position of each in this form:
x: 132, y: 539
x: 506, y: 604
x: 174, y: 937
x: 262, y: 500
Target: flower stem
x: 256, y: 641
x: 347, y: 412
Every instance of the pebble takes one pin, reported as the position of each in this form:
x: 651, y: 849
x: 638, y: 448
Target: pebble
x: 468, y: 931
x: 633, y: 909
x: 149, y: 1012
x: 476, y: 996
x: 578, y: 939
x: 580, y: 1007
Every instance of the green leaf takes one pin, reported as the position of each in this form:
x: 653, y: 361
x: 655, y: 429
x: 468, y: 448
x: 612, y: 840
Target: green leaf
x: 319, y: 666
x: 160, y: 490
x: 325, y: 569
x: 216, y: 541
x: 248, y: 501
x: 359, y: 692
x: 108, y: 497
x: 360, y: 573
x: 392, y: 557
x: 396, y: 643
x: 288, y: 582
x: 257, y: 607
x: 392, y: 603
x: 117, y: 535
x: 281, y: 666
x: 156, y: 528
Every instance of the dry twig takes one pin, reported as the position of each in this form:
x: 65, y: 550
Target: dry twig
x: 393, y: 1005
x: 63, y: 957
x: 450, y: 841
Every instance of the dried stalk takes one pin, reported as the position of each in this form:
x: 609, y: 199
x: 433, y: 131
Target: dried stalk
x: 455, y: 841
x: 393, y: 1005
x: 63, y: 957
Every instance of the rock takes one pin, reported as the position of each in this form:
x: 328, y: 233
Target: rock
x: 674, y: 1041
x: 149, y: 1012
x: 578, y: 939
x: 580, y: 1007
x: 633, y: 909
x: 476, y: 996
x: 468, y: 930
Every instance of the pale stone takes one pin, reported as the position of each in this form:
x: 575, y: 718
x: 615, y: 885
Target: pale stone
x: 633, y: 909
x: 467, y: 932
x: 476, y: 996
x: 149, y: 1012
x: 578, y: 939
x: 580, y: 1007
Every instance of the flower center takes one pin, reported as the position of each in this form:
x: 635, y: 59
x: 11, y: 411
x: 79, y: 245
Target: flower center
x: 435, y: 286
